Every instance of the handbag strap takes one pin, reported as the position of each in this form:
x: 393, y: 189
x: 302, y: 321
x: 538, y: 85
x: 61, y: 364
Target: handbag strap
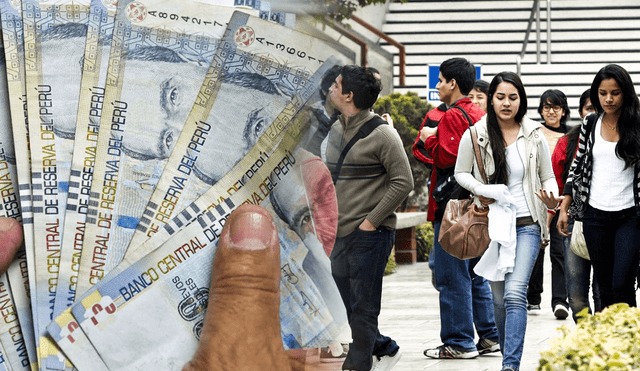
x: 474, y: 139
x: 364, y: 131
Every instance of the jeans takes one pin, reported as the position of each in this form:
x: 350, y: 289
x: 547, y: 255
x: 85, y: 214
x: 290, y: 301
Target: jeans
x: 465, y: 300
x: 577, y: 272
x: 358, y: 261
x: 510, y: 296
x: 558, y: 279
x: 613, y: 241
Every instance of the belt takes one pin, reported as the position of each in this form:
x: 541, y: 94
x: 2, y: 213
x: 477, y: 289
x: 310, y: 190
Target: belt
x: 524, y: 221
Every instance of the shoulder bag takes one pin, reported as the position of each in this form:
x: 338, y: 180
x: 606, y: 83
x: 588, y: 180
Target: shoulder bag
x: 464, y: 232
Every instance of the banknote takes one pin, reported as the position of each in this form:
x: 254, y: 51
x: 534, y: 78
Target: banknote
x: 160, y: 53
x: 17, y: 154
x: 307, y: 318
x: 11, y: 334
x: 259, y: 67
x: 91, y: 99
x: 162, y: 298
x: 54, y: 38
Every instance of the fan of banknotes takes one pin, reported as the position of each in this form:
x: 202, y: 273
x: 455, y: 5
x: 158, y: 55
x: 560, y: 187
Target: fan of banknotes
x: 129, y: 130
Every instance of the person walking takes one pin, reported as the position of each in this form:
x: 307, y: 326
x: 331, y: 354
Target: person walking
x: 577, y: 269
x: 603, y: 183
x: 517, y: 162
x: 465, y: 298
x: 374, y: 180
x: 554, y: 110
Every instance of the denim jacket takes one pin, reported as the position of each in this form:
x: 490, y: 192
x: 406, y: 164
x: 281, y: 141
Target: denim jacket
x: 534, y: 151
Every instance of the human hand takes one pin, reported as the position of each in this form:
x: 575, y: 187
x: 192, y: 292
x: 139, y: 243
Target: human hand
x: 10, y: 240
x: 242, y: 324
x: 366, y: 225
x: 426, y: 132
x: 549, y: 200
x: 563, y: 217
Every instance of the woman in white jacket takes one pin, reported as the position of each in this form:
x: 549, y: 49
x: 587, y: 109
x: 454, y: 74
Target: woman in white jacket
x: 516, y: 158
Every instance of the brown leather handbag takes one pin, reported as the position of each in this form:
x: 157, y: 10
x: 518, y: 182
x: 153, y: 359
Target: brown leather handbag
x: 464, y: 232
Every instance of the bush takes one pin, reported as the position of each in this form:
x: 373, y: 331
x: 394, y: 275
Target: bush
x: 609, y: 340
x: 424, y: 241
x: 408, y: 112
x: 391, y: 265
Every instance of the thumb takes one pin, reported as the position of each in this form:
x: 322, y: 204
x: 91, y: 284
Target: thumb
x: 10, y: 241
x: 242, y: 325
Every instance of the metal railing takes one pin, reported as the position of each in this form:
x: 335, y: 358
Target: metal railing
x: 535, y: 12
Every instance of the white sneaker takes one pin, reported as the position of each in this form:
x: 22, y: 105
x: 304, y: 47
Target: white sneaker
x: 385, y: 363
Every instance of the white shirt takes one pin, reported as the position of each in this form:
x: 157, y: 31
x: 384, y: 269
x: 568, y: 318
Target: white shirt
x: 516, y: 174
x: 611, y: 184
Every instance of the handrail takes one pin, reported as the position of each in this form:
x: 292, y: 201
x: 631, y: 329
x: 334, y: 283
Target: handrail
x: 388, y: 39
x: 364, y: 49
x: 536, y: 4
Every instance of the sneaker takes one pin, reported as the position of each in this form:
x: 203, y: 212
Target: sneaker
x: 508, y: 369
x: 385, y: 363
x: 326, y: 355
x: 560, y: 311
x: 534, y: 309
x: 487, y: 346
x: 450, y: 352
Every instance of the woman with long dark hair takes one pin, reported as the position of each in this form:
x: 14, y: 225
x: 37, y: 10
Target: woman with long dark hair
x: 517, y: 162
x: 603, y: 185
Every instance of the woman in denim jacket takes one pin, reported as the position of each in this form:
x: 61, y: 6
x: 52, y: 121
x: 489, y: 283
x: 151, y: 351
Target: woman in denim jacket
x: 514, y: 153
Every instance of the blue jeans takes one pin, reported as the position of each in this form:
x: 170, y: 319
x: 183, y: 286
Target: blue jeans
x: 465, y: 299
x: 577, y: 272
x: 358, y: 261
x: 613, y: 241
x: 510, y: 296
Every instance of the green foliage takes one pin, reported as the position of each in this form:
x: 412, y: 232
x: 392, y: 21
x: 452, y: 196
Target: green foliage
x: 391, y: 265
x: 408, y: 112
x: 424, y: 241
x: 609, y: 340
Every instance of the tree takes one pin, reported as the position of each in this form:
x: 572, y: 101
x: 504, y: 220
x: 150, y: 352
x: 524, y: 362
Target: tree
x: 408, y: 112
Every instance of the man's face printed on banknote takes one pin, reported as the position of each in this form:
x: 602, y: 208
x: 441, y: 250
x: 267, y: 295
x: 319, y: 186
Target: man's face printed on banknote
x: 159, y: 95
x: 62, y: 48
x: 245, y: 106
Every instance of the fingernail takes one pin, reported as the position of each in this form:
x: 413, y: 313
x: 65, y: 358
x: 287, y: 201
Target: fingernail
x: 251, y: 231
x: 6, y: 224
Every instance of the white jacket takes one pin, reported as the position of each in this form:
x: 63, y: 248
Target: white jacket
x: 534, y: 151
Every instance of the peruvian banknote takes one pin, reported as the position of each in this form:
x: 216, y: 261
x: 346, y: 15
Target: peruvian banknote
x: 159, y: 56
x: 91, y: 99
x: 166, y: 292
x: 54, y: 39
x: 258, y: 69
x: 17, y: 156
x: 12, y: 335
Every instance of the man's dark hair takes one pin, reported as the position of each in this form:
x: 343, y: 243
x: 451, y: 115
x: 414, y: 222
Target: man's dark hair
x: 327, y: 80
x: 555, y: 97
x: 462, y: 71
x: 361, y: 82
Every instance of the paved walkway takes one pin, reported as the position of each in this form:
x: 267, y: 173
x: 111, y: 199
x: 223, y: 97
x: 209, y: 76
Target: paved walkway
x: 410, y: 315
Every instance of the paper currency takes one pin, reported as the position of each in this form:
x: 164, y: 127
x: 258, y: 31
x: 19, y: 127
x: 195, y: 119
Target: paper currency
x: 13, y: 109
x: 258, y: 69
x: 54, y: 36
x: 91, y: 100
x: 11, y: 333
x: 159, y: 57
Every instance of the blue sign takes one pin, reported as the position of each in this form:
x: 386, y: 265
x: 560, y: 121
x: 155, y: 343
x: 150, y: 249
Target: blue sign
x: 433, y: 72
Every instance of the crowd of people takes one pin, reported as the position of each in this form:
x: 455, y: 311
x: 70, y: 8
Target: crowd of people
x: 554, y: 176
x: 550, y: 175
